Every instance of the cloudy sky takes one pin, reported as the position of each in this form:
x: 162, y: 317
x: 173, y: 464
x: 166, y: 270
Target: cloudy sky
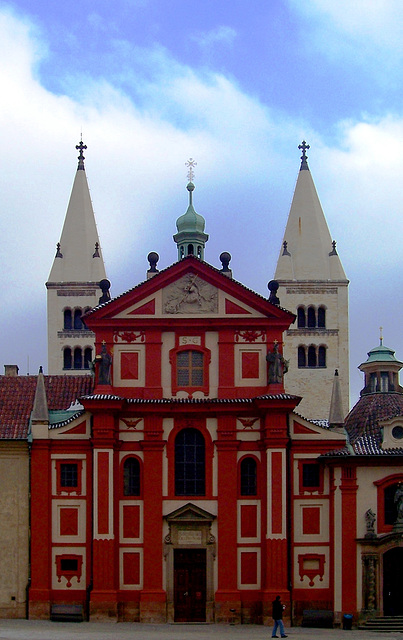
x: 235, y: 85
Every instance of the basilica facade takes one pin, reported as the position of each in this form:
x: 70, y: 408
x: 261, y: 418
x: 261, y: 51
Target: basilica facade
x: 202, y: 462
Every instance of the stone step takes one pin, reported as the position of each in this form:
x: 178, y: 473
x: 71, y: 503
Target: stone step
x: 386, y: 623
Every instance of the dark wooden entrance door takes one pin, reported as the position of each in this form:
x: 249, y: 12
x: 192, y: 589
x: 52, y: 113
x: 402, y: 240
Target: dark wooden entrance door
x: 392, y: 582
x: 190, y: 585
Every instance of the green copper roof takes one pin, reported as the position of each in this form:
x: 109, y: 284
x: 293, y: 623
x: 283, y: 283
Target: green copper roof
x: 381, y: 354
x: 191, y: 221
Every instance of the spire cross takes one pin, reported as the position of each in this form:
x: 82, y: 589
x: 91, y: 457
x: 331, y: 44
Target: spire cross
x: 381, y: 336
x: 191, y: 164
x: 80, y: 147
x: 304, y: 147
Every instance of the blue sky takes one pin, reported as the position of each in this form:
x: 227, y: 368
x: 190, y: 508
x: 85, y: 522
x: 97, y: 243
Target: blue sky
x: 236, y: 86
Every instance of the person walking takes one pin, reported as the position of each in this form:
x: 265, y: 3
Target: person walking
x: 277, y: 614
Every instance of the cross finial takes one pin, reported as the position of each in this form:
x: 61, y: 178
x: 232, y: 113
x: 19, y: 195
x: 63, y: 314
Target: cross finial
x: 304, y: 147
x: 191, y: 164
x: 80, y: 147
x: 380, y: 335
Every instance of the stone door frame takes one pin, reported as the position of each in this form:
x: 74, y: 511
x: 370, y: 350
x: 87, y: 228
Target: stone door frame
x: 190, y: 528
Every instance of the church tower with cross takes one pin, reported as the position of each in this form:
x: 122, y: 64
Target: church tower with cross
x: 74, y: 282
x: 190, y: 239
x: 314, y: 286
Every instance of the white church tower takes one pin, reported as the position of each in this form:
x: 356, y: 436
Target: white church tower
x: 314, y: 286
x: 73, y: 285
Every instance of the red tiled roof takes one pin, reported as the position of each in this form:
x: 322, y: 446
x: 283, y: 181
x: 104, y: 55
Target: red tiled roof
x: 17, y: 395
x: 364, y: 417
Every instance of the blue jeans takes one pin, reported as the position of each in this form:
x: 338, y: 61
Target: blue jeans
x: 278, y: 623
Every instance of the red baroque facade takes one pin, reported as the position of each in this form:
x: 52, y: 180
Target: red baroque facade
x: 174, y: 493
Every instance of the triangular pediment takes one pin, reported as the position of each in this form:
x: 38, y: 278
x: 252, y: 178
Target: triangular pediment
x: 302, y: 429
x: 190, y: 513
x: 188, y: 288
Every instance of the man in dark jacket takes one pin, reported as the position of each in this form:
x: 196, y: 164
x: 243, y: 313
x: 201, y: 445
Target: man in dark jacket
x: 277, y: 614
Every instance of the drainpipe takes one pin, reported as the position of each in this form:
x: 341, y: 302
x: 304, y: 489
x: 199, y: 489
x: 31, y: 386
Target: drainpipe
x: 289, y: 519
x: 27, y: 588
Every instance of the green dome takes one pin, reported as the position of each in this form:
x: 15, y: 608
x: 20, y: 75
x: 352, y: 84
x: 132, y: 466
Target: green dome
x: 191, y: 221
x: 381, y: 354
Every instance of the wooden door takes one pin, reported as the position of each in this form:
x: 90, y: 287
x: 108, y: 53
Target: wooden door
x: 190, y: 585
x: 392, y: 582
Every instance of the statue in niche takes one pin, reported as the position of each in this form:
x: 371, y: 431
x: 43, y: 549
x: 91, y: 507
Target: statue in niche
x: 104, y: 360
x: 370, y: 523
x: 278, y: 365
x: 190, y: 295
x: 398, y: 500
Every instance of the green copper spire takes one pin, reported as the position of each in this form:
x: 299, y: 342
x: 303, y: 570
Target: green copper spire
x: 190, y: 238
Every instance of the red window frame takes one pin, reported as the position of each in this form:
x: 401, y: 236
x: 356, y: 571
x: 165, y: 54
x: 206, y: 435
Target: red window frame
x: 68, y: 573
x: 205, y: 387
x: 381, y: 485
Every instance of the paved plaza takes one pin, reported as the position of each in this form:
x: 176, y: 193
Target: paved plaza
x: 46, y: 630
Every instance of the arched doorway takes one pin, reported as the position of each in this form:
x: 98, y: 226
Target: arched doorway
x: 392, y: 582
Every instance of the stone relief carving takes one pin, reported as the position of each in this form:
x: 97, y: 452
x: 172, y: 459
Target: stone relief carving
x: 190, y: 294
x: 129, y: 336
x: 250, y: 335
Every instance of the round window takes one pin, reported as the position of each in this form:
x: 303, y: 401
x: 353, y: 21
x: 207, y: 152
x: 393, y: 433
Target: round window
x: 397, y: 432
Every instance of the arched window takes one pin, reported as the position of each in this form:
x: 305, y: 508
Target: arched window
x: 190, y: 463
x: 322, y: 357
x: 301, y: 319
x: 322, y: 317
x: 311, y: 317
x: 312, y: 356
x: 131, y: 477
x: 301, y: 357
x: 78, y: 358
x: 248, y: 473
x: 87, y: 357
x: 199, y: 251
x: 67, y: 358
x: 190, y: 250
x: 67, y: 320
x: 190, y: 368
x: 78, y: 324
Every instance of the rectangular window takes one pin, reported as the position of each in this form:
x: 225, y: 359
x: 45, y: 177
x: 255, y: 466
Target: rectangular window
x: 310, y: 476
x: 68, y: 475
x: 68, y: 564
x: 190, y: 369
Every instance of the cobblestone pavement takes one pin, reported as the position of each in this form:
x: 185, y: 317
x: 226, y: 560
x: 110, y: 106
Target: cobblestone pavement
x: 46, y: 630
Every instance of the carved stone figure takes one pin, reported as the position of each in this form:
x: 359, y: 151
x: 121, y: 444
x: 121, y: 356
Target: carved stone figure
x: 398, y: 500
x: 370, y: 522
x: 278, y: 365
x: 104, y: 360
x: 190, y: 294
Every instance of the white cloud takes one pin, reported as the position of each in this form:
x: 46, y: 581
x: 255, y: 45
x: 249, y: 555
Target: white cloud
x: 364, y: 32
x: 137, y: 148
